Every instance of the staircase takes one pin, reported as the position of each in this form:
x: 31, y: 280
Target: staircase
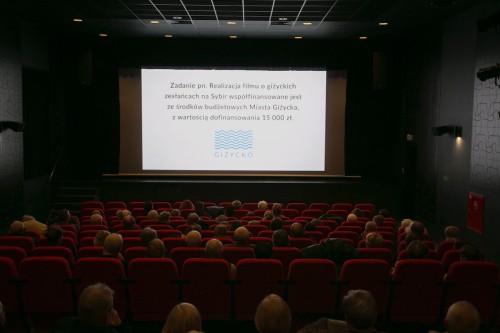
x: 71, y: 194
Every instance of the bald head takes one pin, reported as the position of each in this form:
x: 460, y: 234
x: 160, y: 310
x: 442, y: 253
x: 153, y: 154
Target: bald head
x: 17, y: 228
x: 462, y: 317
x: 370, y: 226
x: 193, y: 239
x: 213, y: 249
x: 241, y: 236
x: 352, y: 217
x: 220, y: 230
x: 155, y: 249
x: 374, y: 240
x: 128, y: 222
x: 113, y: 244
x: 193, y: 218
x: 360, y: 309
x: 297, y: 230
x: 147, y: 234
x: 96, y: 219
x: 100, y: 237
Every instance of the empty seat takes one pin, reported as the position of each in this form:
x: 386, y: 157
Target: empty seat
x: 315, y: 213
x: 233, y: 254
x: 347, y: 207
x: 180, y: 254
x: 285, y: 255
x: 16, y: 253
x: 366, y: 206
x: 376, y: 253
x: 450, y: 257
x: 134, y: 252
x: 171, y: 243
x: 301, y: 242
x: 368, y: 274
x: 475, y: 282
x: 290, y: 213
x: 54, y: 251
x: 8, y: 287
x: 155, y: 277
x: 90, y: 252
x: 255, y: 279
x: 311, y: 288
x: 300, y: 206
x: 206, y: 285
x: 444, y: 246
x: 323, y: 206
x: 162, y: 205
x: 27, y: 243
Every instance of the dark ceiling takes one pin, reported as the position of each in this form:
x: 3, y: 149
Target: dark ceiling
x: 329, y: 19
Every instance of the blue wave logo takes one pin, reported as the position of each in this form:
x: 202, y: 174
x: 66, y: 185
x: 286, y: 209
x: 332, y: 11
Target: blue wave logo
x: 233, y: 139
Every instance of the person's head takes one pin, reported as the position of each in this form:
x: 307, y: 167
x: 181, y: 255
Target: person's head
x: 280, y: 238
x: 96, y: 219
x: 358, y: 212
x: 241, y: 236
x: 297, y: 230
x: 236, y: 204
x: 63, y: 216
x: 384, y: 212
x: 193, y: 218
x: 128, y: 222
x: 417, y: 249
x: 310, y: 226
x: 273, y: 315
x: 17, y: 228
x: 54, y: 234
x: 186, y: 204
x: 113, y: 244
x: 213, y: 249
x: 164, y: 217
x: 95, y: 304
x: 221, y: 218
x: 147, y: 234
x: 276, y: 224
x: 317, y: 222
x: 119, y: 214
x: 352, y: 217
x: 100, y: 237
x: 184, y: 317
x: 462, y: 317
x: 96, y: 211
x: 220, y: 230
x: 262, y: 205
x: 27, y: 218
x: 199, y: 207
x: 451, y: 232
x: 263, y: 250
x: 468, y: 252
x: 277, y: 209
x: 374, y: 240
x: 417, y: 228
x: 175, y: 212
x: 268, y: 215
x: 193, y: 239
x: 235, y: 225
x: 406, y: 222
x: 229, y: 210
x: 360, y: 309
x: 254, y: 222
x: 152, y: 215
x: 379, y: 220
x: 370, y: 226
x: 155, y: 249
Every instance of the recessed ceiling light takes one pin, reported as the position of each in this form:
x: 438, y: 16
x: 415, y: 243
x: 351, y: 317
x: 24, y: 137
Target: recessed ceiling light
x: 177, y: 17
x: 283, y: 19
x: 231, y: 22
x: 154, y: 22
x: 383, y: 24
x: 77, y: 20
x: 103, y: 35
x: 363, y: 37
x: 298, y: 37
x: 307, y: 23
x: 233, y: 37
x: 168, y: 36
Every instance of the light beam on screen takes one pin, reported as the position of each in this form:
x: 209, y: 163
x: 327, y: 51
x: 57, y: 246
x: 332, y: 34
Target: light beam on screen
x: 233, y: 120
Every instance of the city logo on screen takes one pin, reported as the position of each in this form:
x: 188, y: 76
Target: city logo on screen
x: 233, y: 144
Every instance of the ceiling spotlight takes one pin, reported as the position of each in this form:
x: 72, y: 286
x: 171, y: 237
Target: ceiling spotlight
x: 282, y: 19
x: 168, y: 36
x: 363, y: 37
x: 154, y: 22
x: 77, y: 20
x: 177, y: 17
x: 231, y: 23
x: 233, y: 37
x: 307, y: 23
x: 103, y: 35
x: 383, y: 24
x: 298, y: 37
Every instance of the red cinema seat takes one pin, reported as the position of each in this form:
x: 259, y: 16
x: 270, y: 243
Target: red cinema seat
x: 27, y: 243
x: 323, y: 206
x: 180, y: 254
x: 233, y: 254
x: 286, y: 255
x: 8, y: 287
x: 16, y: 253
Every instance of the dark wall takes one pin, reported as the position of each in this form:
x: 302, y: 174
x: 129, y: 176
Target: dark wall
x: 11, y: 143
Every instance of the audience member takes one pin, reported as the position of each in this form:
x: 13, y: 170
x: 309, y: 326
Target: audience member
x: 30, y: 223
x: 280, y: 238
x: 462, y: 317
x: 152, y: 215
x: 147, y: 234
x: 213, y: 249
x: 452, y: 232
x: 235, y: 225
x: 379, y: 220
x: 112, y: 246
x: 273, y: 315
x: 277, y: 210
x: 276, y: 224
x: 64, y: 217
x: 175, y: 212
x: 370, y: 226
x: 193, y: 239
x: 148, y: 206
x: 415, y: 232
x: 236, y: 204
x: 358, y: 212
x: 385, y: 213
x: 262, y: 205
x: 360, y: 311
x: 96, y: 219
x: 183, y: 318
x: 17, y: 229
x: 199, y: 208
x: 241, y: 238
x: 374, y: 240
x: 352, y: 217
x: 164, y: 217
x: 95, y: 313
x: 406, y: 223
x: 334, y: 249
x: 220, y: 230
x: 221, y: 218
x: 417, y: 250
x: 469, y: 252
x: 310, y: 226
x: 128, y: 223
x: 268, y: 215
x: 100, y: 237
x: 155, y: 249
x: 54, y: 235
x: 186, y: 204
x: 297, y: 230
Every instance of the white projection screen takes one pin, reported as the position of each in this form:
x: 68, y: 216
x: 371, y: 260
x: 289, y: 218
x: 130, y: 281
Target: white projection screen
x: 232, y: 121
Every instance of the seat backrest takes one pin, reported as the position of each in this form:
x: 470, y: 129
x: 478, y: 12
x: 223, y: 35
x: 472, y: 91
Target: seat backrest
x: 475, y: 282
x: 171, y: 243
x: 233, y: 254
x: 352, y: 228
x: 130, y: 233
x: 347, y: 207
x: 8, y: 289
x: 416, y: 294
x: 449, y: 257
x: 373, y: 275
x: 16, y: 253
x: 290, y: 213
x: 315, y: 213
x: 366, y: 206
x: 256, y: 278
x: 27, y: 243
x: 45, y: 285
x: 255, y: 228
x: 54, y: 251
x: 134, y: 252
x: 130, y: 242
x: 376, y: 253
x: 316, y: 236
x: 285, y: 255
x: 300, y: 242
x: 323, y: 206
x: 444, y: 246
x: 90, y: 252
x: 311, y: 289
x: 256, y: 240
x: 208, y: 277
x: 162, y: 205
x: 354, y: 237
x: 152, y: 276
x: 180, y: 254
x: 300, y: 206
x: 107, y: 270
